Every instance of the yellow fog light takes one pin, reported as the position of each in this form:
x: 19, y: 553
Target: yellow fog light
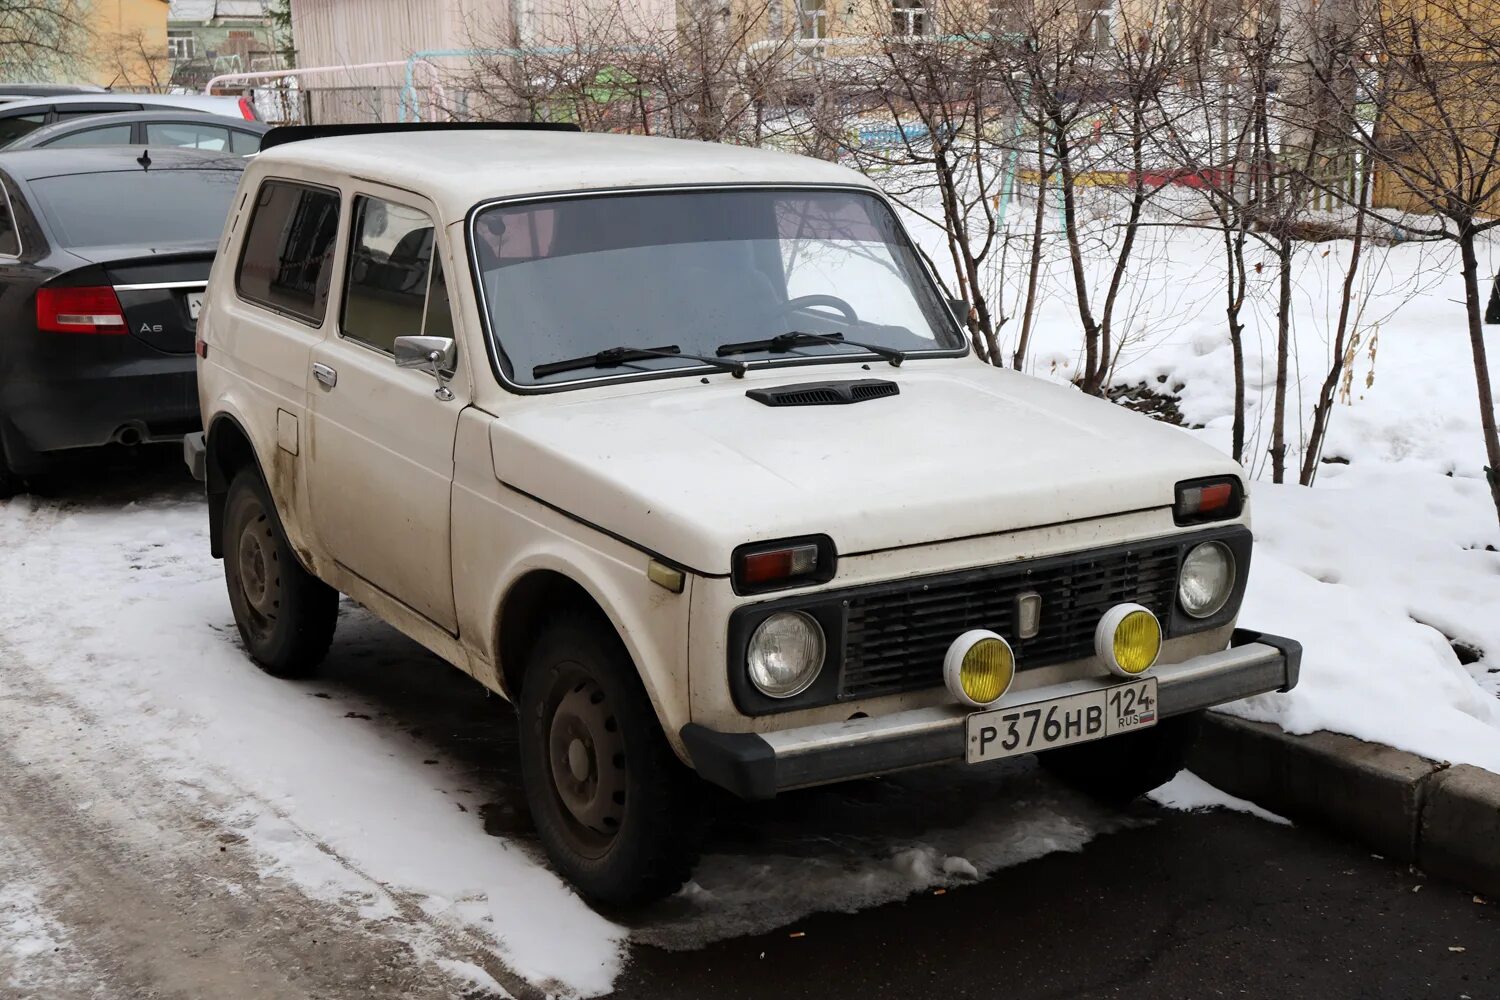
x: 978, y: 668
x: 1128, y: 639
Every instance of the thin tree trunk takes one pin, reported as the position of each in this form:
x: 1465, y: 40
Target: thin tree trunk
x: 1283, y: 345
x: 1075, y: 255
x: 1234, y: 291
x: 1122, y: 259
x: 1475, y: 306
x: 1323, y: 409
x: 1034, y: 271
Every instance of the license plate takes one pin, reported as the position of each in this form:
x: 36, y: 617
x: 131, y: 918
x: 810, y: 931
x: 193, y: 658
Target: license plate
x: 195, y: 304
x: 1076, y: 718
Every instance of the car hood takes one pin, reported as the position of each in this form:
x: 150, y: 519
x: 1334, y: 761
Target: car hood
x: 689, y: 471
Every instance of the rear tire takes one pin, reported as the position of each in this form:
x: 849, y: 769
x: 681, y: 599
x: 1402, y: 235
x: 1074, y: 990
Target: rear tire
x: 10, y: 484
x: 614, y: 807
x: 1121, y: 769
x: 285, y: 615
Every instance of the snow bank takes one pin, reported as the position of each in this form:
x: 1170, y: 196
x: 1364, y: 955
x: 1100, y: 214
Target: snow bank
x: 1387, y: 558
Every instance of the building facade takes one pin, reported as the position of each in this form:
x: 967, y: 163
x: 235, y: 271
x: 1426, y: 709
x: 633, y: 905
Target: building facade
x: 208, y: 37
x: 128, y: 44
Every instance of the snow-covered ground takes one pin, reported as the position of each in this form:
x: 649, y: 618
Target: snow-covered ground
x: 385, y: 789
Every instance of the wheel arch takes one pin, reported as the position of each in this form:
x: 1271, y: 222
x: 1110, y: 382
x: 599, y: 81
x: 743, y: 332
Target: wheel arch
x: 533, y: 597
x: 549, y: 582
x: 227, y: 449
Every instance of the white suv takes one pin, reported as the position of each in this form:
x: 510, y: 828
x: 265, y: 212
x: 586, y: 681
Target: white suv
x: 678, y: 447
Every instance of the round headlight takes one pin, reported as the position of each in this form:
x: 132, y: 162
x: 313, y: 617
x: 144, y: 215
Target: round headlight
x: 786, y: 653
x: 978, y: 668
x: 1128, y: 639
x: 1207, y: 579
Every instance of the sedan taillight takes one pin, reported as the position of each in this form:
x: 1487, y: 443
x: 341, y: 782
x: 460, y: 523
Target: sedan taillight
x: 91, y: 309
x: 248, y: 110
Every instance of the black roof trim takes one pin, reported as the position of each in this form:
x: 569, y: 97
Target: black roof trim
x: 299, y: 133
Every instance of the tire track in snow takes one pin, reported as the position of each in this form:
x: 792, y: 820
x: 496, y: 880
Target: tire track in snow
x: 169, y: 902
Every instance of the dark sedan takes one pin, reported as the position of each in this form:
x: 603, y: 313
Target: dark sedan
x: 104, y: 255
x: 182, y: 129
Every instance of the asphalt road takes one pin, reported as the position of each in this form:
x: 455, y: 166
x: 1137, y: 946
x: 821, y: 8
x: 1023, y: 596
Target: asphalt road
x: 1172, y: 905
x: 1213, y: 904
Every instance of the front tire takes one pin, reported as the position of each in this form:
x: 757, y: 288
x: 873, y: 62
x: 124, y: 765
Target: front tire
x: 611, y: 802
x: 1120, y: 769
x: 285, y: 615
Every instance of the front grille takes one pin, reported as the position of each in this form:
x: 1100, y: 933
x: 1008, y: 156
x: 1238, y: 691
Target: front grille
x: 896, y: 637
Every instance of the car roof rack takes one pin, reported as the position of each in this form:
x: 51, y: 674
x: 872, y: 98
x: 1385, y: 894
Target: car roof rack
x: 284, y: 134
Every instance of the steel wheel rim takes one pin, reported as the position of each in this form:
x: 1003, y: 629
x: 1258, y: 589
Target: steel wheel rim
x: 256, y: 576
x: 586, y: 761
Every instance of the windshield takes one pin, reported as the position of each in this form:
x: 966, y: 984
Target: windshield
x: 152, y: 207
x: 700, y: 271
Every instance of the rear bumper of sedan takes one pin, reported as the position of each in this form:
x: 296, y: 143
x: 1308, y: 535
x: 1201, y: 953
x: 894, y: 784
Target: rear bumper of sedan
x: 759, y: 765
x: 140, y: 400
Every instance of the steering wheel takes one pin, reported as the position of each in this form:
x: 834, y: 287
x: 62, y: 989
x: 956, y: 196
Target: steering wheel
x: 831, y: 301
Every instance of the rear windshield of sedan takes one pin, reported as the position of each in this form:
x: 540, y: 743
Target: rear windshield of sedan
x: 141, y: 207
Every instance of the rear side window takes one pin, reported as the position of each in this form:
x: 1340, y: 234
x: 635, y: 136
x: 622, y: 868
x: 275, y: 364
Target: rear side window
x: 114, y: 135
x: 188, y: 136
x: 287, y: 260
x: 244, y: 142
x: 10, y: 237
x: 12, y: 127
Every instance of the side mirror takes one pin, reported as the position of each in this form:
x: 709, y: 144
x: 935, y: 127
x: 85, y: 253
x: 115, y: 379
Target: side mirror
x: 436, y: 355
x: 960, y: 310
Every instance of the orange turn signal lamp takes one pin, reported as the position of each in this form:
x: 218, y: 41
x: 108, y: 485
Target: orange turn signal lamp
x: 777, y: 565
x: 1202, y: 500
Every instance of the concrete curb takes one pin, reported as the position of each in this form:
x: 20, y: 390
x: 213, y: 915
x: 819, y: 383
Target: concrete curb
x: 1444, y: 819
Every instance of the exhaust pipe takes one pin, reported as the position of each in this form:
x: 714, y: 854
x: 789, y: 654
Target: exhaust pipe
x: 129, y: 435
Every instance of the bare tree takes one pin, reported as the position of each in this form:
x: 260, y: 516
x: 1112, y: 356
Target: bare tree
x: 939, y: 107
x: 1430, y: 71
x: 133, y: 62
x: 41, y: 39
x: 1092, y: 97
x: 705, y: 73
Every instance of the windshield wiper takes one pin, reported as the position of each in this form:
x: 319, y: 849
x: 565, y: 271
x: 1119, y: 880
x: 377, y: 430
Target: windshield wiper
x: 796, y: 338
x: 615, y: 356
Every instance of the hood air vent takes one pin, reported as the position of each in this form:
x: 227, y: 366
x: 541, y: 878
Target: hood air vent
x: 825, y: 393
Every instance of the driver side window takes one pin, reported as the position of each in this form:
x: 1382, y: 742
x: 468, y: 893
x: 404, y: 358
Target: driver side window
x: 395, y: 285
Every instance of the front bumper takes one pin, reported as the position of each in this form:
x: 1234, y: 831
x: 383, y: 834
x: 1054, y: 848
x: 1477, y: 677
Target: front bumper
x: 759, y: 765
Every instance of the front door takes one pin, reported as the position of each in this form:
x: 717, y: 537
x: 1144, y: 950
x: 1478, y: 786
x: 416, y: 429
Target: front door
x: 380, y: 465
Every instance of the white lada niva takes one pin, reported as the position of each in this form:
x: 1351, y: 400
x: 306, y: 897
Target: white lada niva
x: 679, y: 447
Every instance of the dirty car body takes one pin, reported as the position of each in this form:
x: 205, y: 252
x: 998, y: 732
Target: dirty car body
x: 706, y: 407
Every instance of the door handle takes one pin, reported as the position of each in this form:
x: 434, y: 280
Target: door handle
x: 326, y: 375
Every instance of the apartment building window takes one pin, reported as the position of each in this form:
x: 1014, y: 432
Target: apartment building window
x: 908, y: 17
x: 1097, y: 24
x: 814, y: 18
x: 181, y: 45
